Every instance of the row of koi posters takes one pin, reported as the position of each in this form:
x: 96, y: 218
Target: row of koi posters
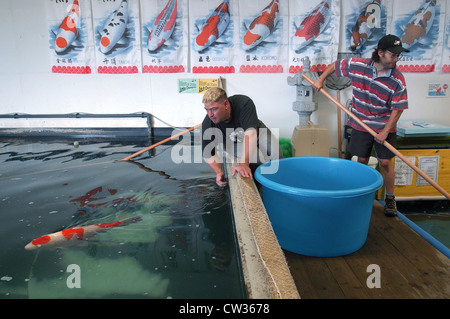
x: 240, y: 36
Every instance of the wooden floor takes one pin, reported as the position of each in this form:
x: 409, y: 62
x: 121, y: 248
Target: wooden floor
x: 410, y: 266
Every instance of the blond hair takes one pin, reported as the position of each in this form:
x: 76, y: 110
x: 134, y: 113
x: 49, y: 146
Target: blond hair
x: 214, y: 94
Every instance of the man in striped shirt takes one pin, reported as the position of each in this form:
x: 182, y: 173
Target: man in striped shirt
x: 379, y: 98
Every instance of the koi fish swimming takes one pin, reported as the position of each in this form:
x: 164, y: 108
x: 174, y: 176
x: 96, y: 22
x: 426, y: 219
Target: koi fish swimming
x: 114, y: 30
x: 419, y: 25
x: 68, y: 30
x: 214, y: 26
x: 312, y: 25
x: 163, y: 26
x: 74, y: 235
x: 368, y: 20
x: 262, y: 26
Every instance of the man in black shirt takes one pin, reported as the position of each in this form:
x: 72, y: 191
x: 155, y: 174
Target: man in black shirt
x: 233, y: 123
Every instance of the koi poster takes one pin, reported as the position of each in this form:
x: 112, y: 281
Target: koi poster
x: 446, y: 50
x: 213, y: 28
x: 263, y: 40
x: 313, y: 32
x: 71, y: 41
x: 117, y: 36
x: 365, y: 24
x: 165, y: 36
x: 420, y: 25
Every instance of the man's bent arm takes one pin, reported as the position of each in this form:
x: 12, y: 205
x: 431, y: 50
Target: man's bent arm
x: 216, y: 166
x: 249, y: 147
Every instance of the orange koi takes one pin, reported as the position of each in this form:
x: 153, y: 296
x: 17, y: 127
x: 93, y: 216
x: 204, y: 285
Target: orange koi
x: 366, y: 22
x: 262, y: 26
x: 419, y: 25
x: 73, y: 236
x: 214, y: 26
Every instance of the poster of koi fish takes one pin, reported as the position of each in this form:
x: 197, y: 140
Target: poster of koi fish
x: 313, y: 32
x: 420, y: 26
x: 263, y: 40
x: 71, y: 43
x: 446, y: 50
x: 213, y: 29
x: 165, y: 37
x: 117, y: 36
x: 365, y: 24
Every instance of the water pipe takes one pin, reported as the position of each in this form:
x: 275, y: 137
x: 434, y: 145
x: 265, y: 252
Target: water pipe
x: 433, y: 241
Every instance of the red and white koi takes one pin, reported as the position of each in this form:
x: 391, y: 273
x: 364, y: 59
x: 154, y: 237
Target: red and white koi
x: 73, y: 236
x: 67, y: 32
x: 163, y: 26
x: 213, y: 27
x: 114, y: 29
x: 312, y: 25
x: 369, y: 19
x: 262, y: 26
x: 419, y: 25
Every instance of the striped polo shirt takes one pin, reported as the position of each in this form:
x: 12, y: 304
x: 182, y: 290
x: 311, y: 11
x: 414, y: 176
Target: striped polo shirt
x: 374, y: 98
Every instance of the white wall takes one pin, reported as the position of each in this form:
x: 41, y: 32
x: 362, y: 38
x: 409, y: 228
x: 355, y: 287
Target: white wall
x: 28, y: 86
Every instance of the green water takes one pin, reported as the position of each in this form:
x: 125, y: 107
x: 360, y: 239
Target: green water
x: 432, y: 216
x: 184, y: 246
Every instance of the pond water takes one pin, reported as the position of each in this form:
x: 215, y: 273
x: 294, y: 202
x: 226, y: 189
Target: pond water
x: 183, y: 245
x: 433, y: 216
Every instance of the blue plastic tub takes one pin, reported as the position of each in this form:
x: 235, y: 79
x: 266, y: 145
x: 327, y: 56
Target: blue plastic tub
x: 319, y: 206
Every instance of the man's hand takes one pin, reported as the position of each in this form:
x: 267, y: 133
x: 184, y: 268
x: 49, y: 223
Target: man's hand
x: 318, y: 84
x: 392, y: 122
x: 381, y: 137
x: 220, y: 179
x: 242, y: 169
x: 216, y: 166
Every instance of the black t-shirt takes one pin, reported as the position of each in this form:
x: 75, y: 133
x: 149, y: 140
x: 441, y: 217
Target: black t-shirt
x: 243, y: 117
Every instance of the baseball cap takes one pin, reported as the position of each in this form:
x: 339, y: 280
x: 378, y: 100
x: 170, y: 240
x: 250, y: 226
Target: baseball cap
x: 391, y: 43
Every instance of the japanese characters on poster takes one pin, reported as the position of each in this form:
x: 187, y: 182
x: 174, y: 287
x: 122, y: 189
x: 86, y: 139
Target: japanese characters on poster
x: 164, y: 36
x: 116, y: 27
x: 231, y: 36
x: 71, y: 43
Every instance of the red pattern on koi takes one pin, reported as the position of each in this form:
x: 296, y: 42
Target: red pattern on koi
x: 262, y: 26
x: 214, y: 27
x: 72, y: 235
x: 312, y: 25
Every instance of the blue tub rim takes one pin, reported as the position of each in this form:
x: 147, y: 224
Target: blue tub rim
x: 266, y: 182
